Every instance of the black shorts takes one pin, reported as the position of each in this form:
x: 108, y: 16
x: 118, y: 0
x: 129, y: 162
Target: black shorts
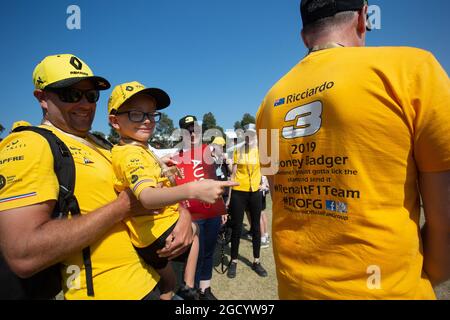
x: 149, y: 255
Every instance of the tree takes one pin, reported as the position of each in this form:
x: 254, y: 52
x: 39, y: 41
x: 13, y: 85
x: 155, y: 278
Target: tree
x: 209, y: 121
x: 163, y: 131
x: 246, y: 119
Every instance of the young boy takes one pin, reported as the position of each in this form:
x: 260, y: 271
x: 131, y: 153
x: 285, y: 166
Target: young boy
x: 132, y: 113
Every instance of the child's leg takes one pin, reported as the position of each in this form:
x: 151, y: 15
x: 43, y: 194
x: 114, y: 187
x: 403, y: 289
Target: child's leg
x: 191, y: 263
x: 168, y: 282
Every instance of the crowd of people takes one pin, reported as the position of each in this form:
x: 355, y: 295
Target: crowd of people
x: 345, y: 228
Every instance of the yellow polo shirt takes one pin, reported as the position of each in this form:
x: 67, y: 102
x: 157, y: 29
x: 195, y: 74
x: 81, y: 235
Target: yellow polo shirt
x: 356, y: 125
x: 26, y: 166
x: 248, y: 171
x: 135, y: 168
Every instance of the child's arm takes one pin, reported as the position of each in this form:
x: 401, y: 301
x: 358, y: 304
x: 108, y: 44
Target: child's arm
x: 205, y: 190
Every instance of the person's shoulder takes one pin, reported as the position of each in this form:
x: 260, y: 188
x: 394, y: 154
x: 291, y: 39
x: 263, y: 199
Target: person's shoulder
x: 400, y: 53
x: 127, y: 151
x: 23, y: 140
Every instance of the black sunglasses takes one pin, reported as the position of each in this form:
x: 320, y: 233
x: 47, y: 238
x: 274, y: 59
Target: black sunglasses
x: 73, y: 95
x: 139, y: 116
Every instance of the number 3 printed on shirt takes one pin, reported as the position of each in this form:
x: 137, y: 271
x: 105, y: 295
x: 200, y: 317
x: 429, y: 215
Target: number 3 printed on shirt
x: 308, y: 119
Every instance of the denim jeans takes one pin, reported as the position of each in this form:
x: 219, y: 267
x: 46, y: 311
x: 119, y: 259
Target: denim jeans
x: 209, y: 230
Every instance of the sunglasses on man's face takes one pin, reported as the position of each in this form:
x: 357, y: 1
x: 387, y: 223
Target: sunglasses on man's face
x: 139, y: 116
x: 73, y: 95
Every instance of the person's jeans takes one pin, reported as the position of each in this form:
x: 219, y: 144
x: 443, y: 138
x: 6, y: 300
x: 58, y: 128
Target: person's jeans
x: 241, y: 200
x: 209, y: 230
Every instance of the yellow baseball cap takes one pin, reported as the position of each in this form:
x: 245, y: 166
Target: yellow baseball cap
x: 125, y: 91
x: 219, y: 141
x: 20, y: 123
x: 64, y: 70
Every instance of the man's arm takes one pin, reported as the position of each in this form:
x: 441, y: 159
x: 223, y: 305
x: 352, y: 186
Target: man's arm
x: 30, y: 241
x: 435, y: 190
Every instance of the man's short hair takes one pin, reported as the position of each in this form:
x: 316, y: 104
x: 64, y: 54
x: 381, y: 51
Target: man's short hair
x: 313, y: 10
x: 328, y: 23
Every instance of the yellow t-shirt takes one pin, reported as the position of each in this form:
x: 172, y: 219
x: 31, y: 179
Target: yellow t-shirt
x: 356, y: 124
x: 135, y: 168
x: 26, y: 163
x: 248, y: 171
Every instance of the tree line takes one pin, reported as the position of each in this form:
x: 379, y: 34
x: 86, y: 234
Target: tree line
x: 165, y: 127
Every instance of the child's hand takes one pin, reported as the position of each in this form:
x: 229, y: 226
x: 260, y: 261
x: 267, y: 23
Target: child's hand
x: 210, y: 190
x: 181, y: 237
x: 168, y: 161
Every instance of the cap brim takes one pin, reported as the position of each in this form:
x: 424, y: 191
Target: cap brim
x: 161, y: 97
x: 99, y: 82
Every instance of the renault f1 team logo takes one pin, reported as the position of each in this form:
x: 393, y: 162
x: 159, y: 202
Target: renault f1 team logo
x: 2, y: 182
x: 76, y: 63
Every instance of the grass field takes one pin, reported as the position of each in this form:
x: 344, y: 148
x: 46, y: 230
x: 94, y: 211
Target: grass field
x: 249, y: 286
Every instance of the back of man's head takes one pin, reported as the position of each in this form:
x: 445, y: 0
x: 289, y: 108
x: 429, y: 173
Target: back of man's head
x: 321, y: 17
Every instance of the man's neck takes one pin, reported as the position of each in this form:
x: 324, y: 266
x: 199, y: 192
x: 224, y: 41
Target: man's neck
x: 79, y: 135
x: 343, y: 37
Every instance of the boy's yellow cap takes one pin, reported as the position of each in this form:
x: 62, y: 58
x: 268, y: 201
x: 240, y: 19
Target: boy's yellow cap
x: 125, y: 91
x: 64, y: 70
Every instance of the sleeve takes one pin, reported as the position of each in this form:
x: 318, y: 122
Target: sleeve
x: 138, y: 172
x: 26, y: 171
x: 430, y: 98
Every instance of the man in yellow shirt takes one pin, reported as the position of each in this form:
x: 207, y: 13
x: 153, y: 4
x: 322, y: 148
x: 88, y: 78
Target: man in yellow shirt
x: 30, y: 241
x: 363, y: 133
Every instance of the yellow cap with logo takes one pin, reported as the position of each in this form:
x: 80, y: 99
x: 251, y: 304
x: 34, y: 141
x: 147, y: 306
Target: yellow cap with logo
x: 125, y: 91
x: 20, y: 123
x: 64, y: 70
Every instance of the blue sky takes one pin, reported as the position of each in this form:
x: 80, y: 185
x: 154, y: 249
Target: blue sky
x: 209, y: 55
